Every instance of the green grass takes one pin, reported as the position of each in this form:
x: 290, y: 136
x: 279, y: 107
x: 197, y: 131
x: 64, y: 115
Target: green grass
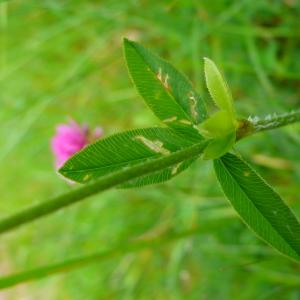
x: 63, y: 59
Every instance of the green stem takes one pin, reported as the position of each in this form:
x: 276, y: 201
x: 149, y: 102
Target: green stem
x: 255, y: 125
x: 247, y: 127
x: 275, y: 121
x: 102, y: 184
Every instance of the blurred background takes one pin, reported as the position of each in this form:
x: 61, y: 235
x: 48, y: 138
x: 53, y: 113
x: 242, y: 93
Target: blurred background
x: 62, y: 59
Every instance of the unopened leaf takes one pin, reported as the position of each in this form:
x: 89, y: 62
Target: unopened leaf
x: 218, y: 125
x: 219, y: 146
x: 218, y: 87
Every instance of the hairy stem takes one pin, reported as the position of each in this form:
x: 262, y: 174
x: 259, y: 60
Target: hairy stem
x: 275, y: 121
x: 246, y: 128
x: 255, y: 125
x: 100, y: 185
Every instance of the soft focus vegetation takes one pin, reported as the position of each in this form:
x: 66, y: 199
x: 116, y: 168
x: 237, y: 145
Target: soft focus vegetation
x: 64, y: 59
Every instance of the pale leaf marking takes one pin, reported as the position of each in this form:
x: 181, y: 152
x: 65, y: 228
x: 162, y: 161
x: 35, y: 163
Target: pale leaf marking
x: 193, y: 105
x: 186, y: 122
x: 171, y: 119
x: 156, y: 146
x: 176, y: 168
x: 163, y: 80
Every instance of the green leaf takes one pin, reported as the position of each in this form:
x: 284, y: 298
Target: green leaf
x: 218, y: 87
x: 218, y: 125
x: 159, y: 176
x: 126, y: 149
x: 260, y: 207
x: 219, y: 146
x: 222, y: 130
x: 167, y: 92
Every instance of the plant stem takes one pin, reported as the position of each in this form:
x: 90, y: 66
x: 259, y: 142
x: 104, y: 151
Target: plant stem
x: 275, y: 121
x: 102, y: 184
x: 255, y: 125
x: 247, y: 127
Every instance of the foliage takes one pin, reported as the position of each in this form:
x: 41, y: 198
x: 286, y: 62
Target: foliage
x: 257, y: 204
x: 67, y: 62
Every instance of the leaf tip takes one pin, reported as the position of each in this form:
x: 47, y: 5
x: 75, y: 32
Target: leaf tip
x: 206, y: 59
x: 63, y: 170
x: 125, y: 40
x: 128, y: 42
x: 208, y: 63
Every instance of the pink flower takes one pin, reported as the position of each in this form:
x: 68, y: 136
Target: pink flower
x: 71, y: 138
